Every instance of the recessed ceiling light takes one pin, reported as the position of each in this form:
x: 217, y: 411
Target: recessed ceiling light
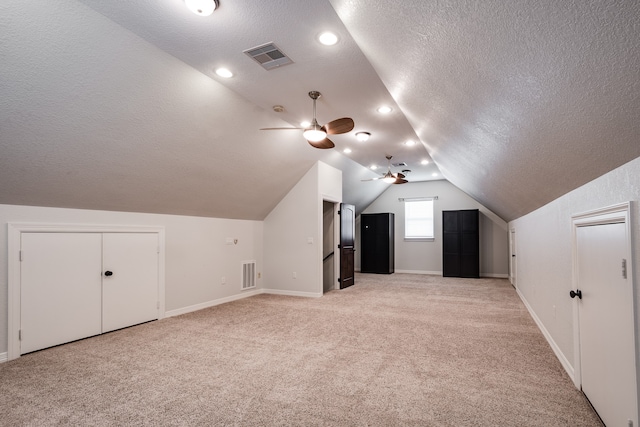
x: 224, y: 72
x: 305, y: 124
x: 362, y: 136
x: 373, y: 167
x: 327, y: 38
x: 424, y: 162
x: 347, y: 150
x: 410, y: 143
x: 385, y: 109
x: 434, y: 174
x: 202, y: 7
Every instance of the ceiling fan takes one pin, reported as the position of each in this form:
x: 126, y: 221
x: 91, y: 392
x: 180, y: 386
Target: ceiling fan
x: 315, y: 134
x: 391, y: 178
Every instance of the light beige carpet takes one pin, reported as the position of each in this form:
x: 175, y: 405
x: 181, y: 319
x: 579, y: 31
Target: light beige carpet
x: 392, y: 350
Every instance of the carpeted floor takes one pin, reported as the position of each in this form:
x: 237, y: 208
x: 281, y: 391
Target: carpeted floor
x: 404, y: 349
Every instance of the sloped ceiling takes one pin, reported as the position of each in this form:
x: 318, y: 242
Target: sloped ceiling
x: 115, y: 105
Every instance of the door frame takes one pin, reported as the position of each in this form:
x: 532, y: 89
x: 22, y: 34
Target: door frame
x: 14, y: 234
x: 615, y: 214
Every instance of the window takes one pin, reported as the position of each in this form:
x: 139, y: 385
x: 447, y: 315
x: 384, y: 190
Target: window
x: 418, y: 219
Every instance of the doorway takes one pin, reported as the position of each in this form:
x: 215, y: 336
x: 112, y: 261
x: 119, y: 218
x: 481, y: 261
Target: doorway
x: 328, y: 246
x: 604, y: 313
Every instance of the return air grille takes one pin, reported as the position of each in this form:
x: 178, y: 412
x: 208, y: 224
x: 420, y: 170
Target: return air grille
x: 248, y: 274
x: 269, y: 56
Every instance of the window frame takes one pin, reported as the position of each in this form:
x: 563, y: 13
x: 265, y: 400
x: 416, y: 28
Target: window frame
x: 431, y: 201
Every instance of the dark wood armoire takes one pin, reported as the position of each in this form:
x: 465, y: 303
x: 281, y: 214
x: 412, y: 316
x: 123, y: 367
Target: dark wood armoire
x: 461, y: 243
x: 377, y: 243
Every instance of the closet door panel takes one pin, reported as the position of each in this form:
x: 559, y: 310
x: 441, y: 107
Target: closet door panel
x: 60, y: 297
x: 130, y: 292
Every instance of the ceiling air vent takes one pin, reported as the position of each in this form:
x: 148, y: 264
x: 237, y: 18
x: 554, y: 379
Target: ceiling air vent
x: 399, y: 164
x: 269, y: 56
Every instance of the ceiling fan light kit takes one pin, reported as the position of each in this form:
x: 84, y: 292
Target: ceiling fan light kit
x: 314, y: 133
x: 363, y: 136
x: 202, y: 7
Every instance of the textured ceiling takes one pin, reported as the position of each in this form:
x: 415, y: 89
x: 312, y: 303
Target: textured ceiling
x: 114, y: 105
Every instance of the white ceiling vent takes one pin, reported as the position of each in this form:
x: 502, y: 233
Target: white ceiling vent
x: 399, y: 164
x: 269, y: 56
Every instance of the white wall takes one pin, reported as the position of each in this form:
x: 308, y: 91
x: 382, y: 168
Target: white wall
x: 196, y: 253
x: 293, y: 233
x: 426, y: 257
x: 544, y: 251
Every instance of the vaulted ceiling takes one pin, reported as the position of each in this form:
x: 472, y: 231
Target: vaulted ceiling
x: 116, y: 105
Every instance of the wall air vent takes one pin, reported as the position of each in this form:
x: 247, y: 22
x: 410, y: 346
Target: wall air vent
x: 269, y: 56
x: 248, y: 274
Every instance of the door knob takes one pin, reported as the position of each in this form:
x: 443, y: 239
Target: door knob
x: 577, y: 293
x: 108, y: 273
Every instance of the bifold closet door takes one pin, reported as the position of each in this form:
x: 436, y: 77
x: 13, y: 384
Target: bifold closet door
x: 60, y: 290
x: 130, y: 279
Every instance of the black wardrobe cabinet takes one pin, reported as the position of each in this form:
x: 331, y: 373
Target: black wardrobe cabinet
x: 461, y: 243
x: 376, y: 243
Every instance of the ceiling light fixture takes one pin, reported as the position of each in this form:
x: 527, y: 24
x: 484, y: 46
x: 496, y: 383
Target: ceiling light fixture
x: 434, y: 174
x: 328, y: 38
x: 373, y: 167
x: 224, y: 72
x: 362, y: 136
x: 305, y: 124
x: 410, y: 143
x: 385, y: 109
x: 202, y: 7
x: 424, y: 162
x: 346, y: 150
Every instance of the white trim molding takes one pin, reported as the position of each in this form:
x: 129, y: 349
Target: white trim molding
x: 556, y: 349
x: 212, y: 303
x: 619, y: 213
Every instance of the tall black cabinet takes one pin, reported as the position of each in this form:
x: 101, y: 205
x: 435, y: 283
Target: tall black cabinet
x: 376, y: 243
x: 461, y: 243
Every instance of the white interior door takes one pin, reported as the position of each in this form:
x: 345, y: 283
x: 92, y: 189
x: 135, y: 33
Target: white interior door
x: 513, y: 258
x: 130, y: 293
x: 60, y: 294
x: 607, y: 340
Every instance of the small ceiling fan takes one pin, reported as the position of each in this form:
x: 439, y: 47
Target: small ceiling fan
x: 389, y: 177
x: 315, y: 134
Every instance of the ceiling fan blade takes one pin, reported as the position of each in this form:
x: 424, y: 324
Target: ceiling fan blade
x: 325, y: 143
x: 280, y: 128
x: 337, y: 126
x: 371, y: 179
x: 400, y: 175
x: 400, y: 181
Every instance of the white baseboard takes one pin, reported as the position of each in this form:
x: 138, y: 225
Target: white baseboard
x: 292, y: 293
x: 246, y: 294
x: 559, y: 354
x: 495, y: 276
x: 3, y: 357
x: 437, y: 273
x: 212, y: 303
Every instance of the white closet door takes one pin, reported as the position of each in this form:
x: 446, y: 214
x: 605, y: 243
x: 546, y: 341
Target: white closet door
x: 60, y: 294
x: 130, y: 293
x: 607, y: 342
